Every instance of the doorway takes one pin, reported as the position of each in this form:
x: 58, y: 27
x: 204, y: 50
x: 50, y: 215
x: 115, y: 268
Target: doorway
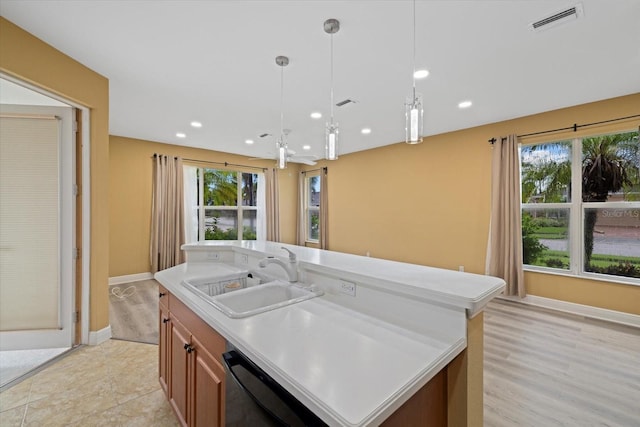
x: 37, y: 230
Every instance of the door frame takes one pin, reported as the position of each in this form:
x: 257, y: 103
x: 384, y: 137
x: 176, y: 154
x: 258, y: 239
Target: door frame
x: 81, y: 145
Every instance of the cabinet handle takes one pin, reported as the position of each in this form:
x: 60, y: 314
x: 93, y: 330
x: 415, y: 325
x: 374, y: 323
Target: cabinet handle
x: 188, y: 348
x: 165, y: 320
x: 162, y: 294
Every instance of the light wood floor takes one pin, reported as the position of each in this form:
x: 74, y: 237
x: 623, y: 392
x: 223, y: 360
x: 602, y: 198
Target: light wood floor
x: 544, y: 368
x: 133, y: 311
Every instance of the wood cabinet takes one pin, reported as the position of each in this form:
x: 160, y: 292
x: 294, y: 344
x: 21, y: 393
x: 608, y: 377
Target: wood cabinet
x: 163, y: 339
x: 192, y: 376
x: 190, y: 366
x: 427, y: 407
x: 208, y: 395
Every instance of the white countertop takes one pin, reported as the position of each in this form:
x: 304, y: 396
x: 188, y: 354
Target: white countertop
x: 467, y: 290
x: 348, y: 367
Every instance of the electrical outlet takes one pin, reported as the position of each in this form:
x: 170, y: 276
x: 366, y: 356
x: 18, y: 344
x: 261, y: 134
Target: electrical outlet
x: 461, y: 268
x: 348, y: 288
x: 244, y: 259
x: 213, y: 256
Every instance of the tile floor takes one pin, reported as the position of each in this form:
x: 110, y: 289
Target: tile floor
x: 15, y: 363
x: 112, y: 384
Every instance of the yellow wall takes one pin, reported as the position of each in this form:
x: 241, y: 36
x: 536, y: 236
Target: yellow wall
x: 429, y: 203
x: 426, y: 204
x: 130, y: 171
x: 25, y: 57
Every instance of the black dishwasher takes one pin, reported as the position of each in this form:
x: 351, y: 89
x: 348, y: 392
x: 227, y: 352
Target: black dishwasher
x: 253, y: 398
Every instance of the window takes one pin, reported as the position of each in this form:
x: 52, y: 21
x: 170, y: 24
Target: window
x: 581, y: 205
x: 312, y: 190
x: 226, y: 204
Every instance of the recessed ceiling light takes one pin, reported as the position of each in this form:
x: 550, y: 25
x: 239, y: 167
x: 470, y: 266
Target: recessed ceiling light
x: 306, y: 147
x: 316, y: 115
x: 465, y: 104
x: 248, y: 141
x: 181, y: 135
x: 196, y: 124
x: 421, y: 74
x: 365, y: 131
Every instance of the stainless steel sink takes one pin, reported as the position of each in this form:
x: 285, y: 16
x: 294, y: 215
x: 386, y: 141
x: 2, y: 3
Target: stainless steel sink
x: 260, y: 298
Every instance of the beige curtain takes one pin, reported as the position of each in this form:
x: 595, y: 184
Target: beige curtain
x: 273, y: 217
x: 324, y: 210
x: 167, y: 213
x: 504, y: 249
x: 300, y: 231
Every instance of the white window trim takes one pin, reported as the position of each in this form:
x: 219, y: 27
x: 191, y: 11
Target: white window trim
x: 576, y: 223
x: 240, y: 209
x: 308, y: 209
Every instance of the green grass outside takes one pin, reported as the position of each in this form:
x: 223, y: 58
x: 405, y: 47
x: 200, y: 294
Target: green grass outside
x: 597, y: 260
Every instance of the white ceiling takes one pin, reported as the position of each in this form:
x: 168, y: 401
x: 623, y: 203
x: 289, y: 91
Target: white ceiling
x: 172, y: 62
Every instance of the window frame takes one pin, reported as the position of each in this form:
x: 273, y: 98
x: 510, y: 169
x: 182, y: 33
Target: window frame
x: 577, y: 210
x: 239, y: 207
x: 309, y: 209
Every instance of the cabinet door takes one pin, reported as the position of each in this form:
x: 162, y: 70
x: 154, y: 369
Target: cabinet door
x: 163, y: 345
x: 179, y: 369
x: 208, y: 388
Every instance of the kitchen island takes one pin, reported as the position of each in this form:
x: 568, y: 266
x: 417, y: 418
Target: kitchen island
x: 384, y: 337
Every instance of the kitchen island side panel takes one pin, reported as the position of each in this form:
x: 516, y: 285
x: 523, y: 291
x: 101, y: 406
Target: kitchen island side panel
x: 465, y: 379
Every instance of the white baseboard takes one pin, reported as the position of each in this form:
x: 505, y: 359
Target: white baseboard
x: 98, y: 337
x: 579, y: 309
x: 118, y: 280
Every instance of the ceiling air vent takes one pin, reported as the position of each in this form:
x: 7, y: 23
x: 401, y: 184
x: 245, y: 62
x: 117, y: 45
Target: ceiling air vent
x: 345, y: 102
x: 558, y: 18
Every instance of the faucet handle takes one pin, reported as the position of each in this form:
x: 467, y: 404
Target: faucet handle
x: 292, y: 255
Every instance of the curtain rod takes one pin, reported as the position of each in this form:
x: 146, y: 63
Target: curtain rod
x: 323, y: 169
x: 225, y: 164
x: 575, y: 127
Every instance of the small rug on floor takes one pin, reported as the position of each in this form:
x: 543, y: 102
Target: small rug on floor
x: 133, y: 311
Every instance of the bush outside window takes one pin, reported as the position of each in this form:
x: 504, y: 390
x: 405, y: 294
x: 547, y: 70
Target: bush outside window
x: 227, y: 204
x: 581, y: 206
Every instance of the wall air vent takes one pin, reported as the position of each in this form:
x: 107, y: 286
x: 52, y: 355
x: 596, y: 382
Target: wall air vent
x: 558, y: 18
x: 345, y: 102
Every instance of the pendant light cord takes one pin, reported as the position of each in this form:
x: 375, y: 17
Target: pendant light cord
x: 413, y: 75
x: 281, y: 102
x: 331, y: 106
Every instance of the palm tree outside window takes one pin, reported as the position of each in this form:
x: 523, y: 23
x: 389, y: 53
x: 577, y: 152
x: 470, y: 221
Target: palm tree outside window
x: 227, y: 204
x: 581, y: 205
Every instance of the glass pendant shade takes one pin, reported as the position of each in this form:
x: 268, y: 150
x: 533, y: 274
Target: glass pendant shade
x: 282, y: 153
x: 281, y: 143
x: 414, y: 119
x: 331, y: 142
x: 331, y: 26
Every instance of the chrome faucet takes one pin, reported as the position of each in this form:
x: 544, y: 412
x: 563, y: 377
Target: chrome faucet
x: 291, y: 268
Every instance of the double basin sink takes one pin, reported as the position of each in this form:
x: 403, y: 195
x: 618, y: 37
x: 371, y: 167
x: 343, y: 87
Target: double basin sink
x: 230, y: 293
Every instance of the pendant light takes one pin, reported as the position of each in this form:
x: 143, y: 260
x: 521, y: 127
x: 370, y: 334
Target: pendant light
x: 281, y: 143
x: 414, y: 112
x: 331, y: 26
